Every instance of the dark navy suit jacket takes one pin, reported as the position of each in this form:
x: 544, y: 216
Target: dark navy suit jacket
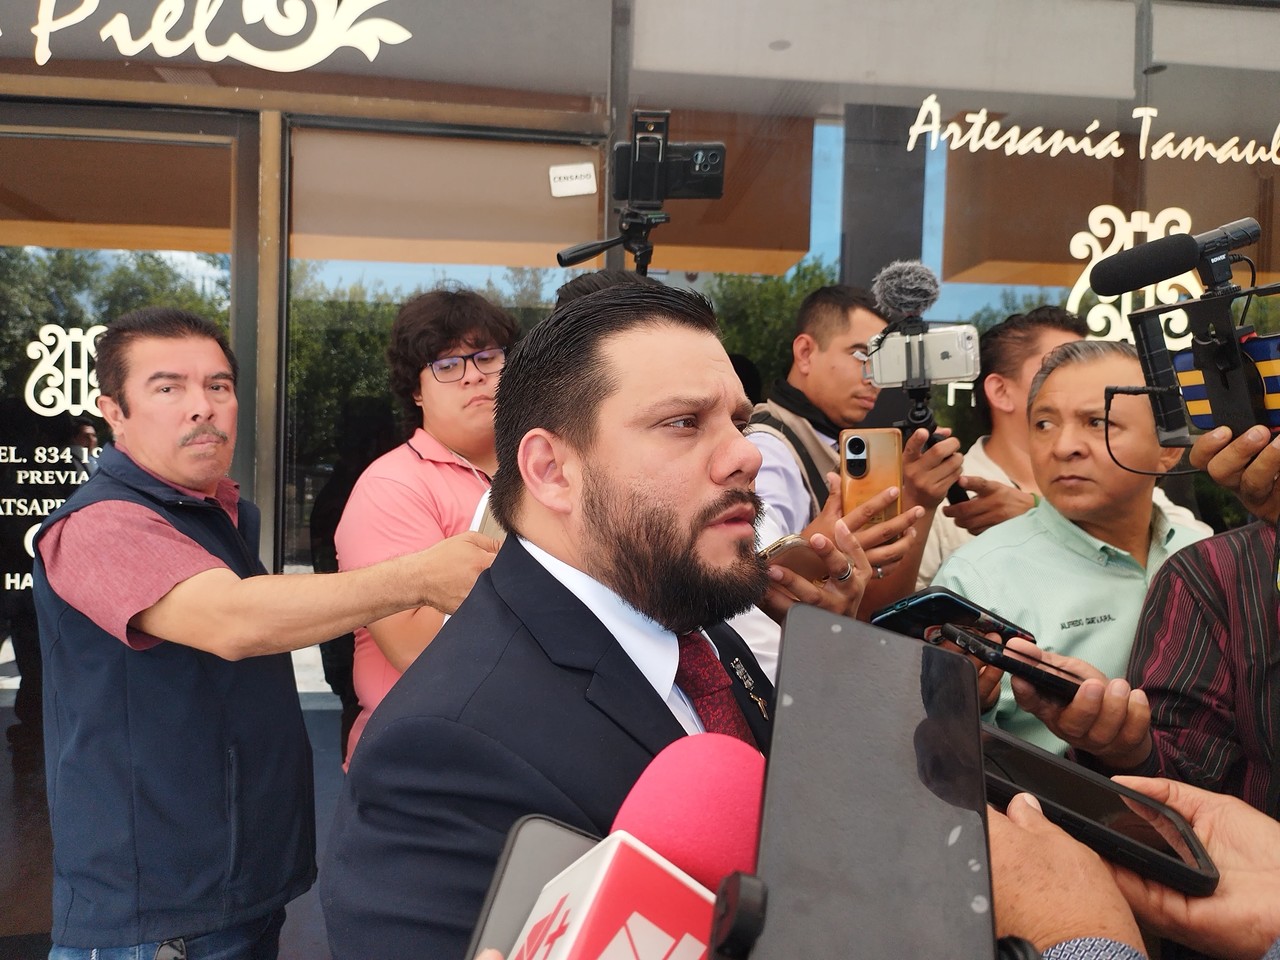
x: 524, y: 703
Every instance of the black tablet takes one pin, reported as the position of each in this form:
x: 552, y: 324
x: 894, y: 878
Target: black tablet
x: 873, y: 798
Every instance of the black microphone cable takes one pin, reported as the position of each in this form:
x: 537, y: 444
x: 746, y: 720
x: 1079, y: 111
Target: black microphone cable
x: 1253, y: 283
x: 1108, y: 394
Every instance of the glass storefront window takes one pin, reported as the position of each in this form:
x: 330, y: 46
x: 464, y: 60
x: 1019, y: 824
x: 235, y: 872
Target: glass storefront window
x: 980, y: 217
x: 1006, y: 144
x: 53, y: 303
x: 92, y: 225
x: 426, y: 211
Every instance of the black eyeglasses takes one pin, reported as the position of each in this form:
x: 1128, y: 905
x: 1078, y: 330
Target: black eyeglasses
x: 449, y: 369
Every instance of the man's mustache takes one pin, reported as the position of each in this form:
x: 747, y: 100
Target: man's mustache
x: 731, y: 498
x: 204, y: 430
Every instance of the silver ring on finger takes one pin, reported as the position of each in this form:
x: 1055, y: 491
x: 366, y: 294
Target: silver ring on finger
x: 879, y: 573
x: 848, y: 572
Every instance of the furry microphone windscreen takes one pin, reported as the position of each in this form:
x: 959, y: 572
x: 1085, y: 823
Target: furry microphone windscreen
x: 905, y: 288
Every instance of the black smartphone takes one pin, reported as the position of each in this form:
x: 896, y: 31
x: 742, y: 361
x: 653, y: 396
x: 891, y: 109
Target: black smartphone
x: 1120, y: 824
x: 1052, y: 682
x: 537, y: 849
x: 921, y: 614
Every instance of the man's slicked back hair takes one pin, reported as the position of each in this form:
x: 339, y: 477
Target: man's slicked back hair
x: 597, y: 280
x: 557, y: 376
x: 1004, y: 348
x: 166, y: 323
x: 824, y: 314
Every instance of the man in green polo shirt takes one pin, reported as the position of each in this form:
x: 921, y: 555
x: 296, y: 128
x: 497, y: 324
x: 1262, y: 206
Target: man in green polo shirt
x: 1074, y: 570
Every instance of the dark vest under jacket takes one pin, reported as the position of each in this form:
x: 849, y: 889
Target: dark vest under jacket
x: 180, y: 786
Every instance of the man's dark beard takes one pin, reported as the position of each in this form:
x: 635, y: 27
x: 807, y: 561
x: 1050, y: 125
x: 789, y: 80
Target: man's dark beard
x: 639, y: 551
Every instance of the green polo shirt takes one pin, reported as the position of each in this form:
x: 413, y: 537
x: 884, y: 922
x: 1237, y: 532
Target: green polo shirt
x: 1080, y: 596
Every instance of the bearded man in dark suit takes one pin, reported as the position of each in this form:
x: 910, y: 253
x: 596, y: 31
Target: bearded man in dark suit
x: 596, y: 639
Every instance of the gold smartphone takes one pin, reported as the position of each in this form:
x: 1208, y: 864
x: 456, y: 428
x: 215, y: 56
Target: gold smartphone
x: 870, y: 462
x: 795, y: 553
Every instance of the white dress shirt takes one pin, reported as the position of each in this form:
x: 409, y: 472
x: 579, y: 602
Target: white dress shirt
x: 780, y: 482
x: 652, y: 648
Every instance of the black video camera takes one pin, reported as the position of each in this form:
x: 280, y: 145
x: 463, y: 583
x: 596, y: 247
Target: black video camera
x: 1223, y: 377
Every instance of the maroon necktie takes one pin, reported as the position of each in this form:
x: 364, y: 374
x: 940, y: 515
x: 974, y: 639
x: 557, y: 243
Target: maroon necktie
x: 706, y: 683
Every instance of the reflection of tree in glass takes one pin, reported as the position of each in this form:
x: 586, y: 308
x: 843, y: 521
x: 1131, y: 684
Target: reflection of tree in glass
x: 37, y: 288
x: 145, y: 278
x: 758, y: 313
x: 78, y: 288
x: 335, y: 351
x: 335, y: 361
x: 523, y: 294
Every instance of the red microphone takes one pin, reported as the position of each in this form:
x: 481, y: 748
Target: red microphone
x: 698, y: 804
x: 646, y: 890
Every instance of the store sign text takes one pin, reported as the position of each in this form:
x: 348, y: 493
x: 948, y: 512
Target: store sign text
x: 336, y: 24
x: 983, y: 133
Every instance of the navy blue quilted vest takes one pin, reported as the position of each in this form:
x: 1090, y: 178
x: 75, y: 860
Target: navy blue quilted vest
x: 180, y: 784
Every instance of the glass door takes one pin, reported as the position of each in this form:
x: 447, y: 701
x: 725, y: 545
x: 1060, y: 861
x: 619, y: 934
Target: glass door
x: 102, y: 211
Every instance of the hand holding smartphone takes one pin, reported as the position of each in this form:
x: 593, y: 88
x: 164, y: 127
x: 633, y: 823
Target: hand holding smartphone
x: 870, y: 461
x: 1119, y: 823
x: 921, y: 614
x: 796, y: 554
x: 1052, y: 682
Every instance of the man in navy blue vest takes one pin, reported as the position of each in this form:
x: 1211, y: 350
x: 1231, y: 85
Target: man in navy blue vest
x: 179, y: 772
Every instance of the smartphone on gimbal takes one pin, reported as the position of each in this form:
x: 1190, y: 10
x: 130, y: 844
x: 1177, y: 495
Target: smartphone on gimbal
x: 945, y: 353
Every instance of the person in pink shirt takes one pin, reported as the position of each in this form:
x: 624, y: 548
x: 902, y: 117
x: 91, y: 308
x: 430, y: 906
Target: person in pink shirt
x: 446, y: 353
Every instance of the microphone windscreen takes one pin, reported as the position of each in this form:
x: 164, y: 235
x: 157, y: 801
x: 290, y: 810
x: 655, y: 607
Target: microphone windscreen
x: 1144, y: 265
x: 905, y: 288
x: 698, y: 804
